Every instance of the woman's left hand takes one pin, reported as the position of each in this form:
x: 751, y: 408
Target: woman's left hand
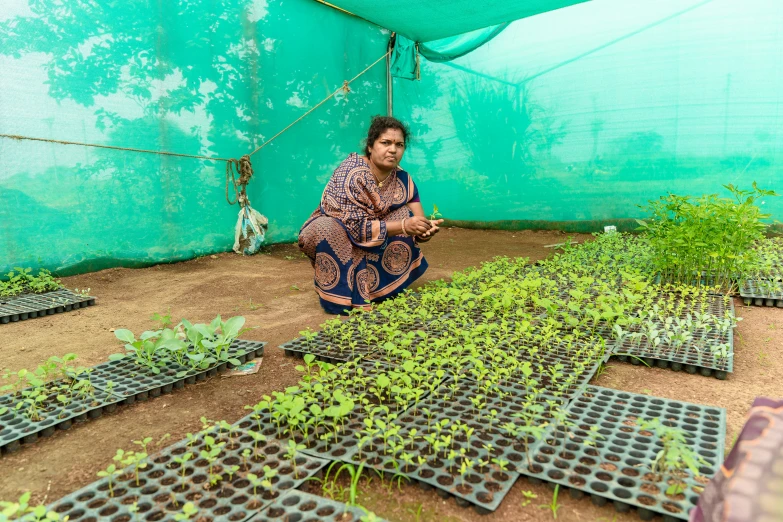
x: 432, y: 231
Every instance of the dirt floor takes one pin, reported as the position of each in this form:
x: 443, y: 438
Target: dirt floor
x: 274, y: 292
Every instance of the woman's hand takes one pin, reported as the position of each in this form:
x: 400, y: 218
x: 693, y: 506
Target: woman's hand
x: 417, y: 225
x: 426, y: 236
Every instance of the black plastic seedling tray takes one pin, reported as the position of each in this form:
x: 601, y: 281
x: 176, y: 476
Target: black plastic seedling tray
x: 547, y: 358
x: 17, y: 429
x: 753, y: 295
x: 689, y: 359
x: 133, y: 382
x: 161, y: 492
x: 305, y: 507
x: 324, y: 350
x: 614, y: 464
x: 484, y: 485
x: 29, y: 306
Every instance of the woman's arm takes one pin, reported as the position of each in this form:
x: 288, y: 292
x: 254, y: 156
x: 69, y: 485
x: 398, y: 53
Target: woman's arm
x: 417, y: 209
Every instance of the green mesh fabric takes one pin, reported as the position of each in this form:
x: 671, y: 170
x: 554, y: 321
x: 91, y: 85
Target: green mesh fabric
x: 435, y: 19
x: 584, y: 113
x: 197, y: 77
x: 568, y: 119
x: 403, y: 63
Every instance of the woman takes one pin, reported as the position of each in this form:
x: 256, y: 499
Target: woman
x: 363, y: 238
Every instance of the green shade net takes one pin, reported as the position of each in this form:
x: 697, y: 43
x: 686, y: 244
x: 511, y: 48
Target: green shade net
x: 431, y: 20
x: 557, y: 120
x: 210, y: 78
x: 573, y: 116
x: 404, y: 62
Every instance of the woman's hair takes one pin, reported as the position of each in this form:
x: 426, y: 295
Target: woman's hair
x: 381, y: 124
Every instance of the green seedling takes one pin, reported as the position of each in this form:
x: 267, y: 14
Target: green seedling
x: 109, y: 473
x: 552, y: 506
x: 188, y: 512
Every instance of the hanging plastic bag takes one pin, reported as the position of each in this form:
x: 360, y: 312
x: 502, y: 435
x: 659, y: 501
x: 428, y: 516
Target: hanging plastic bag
x: 250, y: 231
x: 251, y: 226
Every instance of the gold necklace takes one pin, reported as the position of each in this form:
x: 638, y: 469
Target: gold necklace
x: 378, y: 181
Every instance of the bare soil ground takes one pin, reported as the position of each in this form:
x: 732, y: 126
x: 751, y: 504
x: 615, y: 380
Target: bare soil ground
x: 274, y: 292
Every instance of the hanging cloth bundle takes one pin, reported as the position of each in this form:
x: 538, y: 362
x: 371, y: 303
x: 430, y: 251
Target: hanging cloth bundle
x: 251, y: 226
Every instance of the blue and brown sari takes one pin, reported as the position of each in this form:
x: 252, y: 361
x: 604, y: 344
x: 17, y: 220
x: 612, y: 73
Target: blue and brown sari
x: 355, y: 261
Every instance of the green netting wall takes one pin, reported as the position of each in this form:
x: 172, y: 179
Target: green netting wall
x: 566, y: 119
x: 581, y: 114
x: 203, y: 77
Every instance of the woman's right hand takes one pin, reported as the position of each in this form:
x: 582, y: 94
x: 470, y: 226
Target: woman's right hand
x: 417, y: 225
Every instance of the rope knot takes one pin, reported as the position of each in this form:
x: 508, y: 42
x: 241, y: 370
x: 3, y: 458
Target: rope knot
x: 244, y: 169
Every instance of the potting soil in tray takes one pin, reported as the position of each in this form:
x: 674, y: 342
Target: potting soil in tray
x: 752, y: 293
x: 491, y: 454
x: 133, y: 381
x: 614, y: 464
x: 558, y: 372
x: 298, y: 505
x: 17, y: 429
x: 160, y: 483
x: 693, y: 356
x: 325, y: 349
x: 28, y: 306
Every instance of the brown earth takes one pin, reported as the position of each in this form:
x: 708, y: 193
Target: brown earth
x: 274, y: 292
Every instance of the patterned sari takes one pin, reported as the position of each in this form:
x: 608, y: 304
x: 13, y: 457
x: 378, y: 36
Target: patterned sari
x: 355, y: 261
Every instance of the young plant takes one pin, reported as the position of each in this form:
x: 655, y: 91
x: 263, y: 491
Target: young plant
x: 109, y: 473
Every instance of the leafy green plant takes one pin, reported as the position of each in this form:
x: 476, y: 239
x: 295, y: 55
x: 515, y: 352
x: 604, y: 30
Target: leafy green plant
x: 22, y: 281
x: 676, y: 455
x: 706, y: 240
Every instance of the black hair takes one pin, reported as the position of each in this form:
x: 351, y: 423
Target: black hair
x: 381, y: 124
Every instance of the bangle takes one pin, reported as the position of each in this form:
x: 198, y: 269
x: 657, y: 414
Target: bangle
x: 403, y: 227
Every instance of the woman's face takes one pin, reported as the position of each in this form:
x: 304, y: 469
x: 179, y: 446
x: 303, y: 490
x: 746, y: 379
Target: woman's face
x: 388, y: 149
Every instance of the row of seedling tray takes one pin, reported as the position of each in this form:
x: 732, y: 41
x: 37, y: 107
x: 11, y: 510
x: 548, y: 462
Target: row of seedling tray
x: 611, y: 465
x: 29, y: 306
x: 226, y: 475
x: 129, y: 383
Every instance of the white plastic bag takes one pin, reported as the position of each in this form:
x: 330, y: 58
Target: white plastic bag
x: 249, y: 231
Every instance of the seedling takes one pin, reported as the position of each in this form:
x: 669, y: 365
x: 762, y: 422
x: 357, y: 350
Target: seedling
x: 109, y: 473
x: 188, y: 511
x: 552, y: 506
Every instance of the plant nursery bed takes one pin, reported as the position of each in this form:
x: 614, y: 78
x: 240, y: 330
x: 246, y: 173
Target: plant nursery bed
x: 606, y: 452
x: 477, y: 462
x: 17, y: 429
x: 29, y: 306
x: 134, y: 382
x: 306, y: 507
x: 130, y: 383
x: 689, y: 359
x: 324, y: 349
x: 171, y: 479
x: 756, y: 292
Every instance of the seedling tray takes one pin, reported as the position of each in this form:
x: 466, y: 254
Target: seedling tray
x: 752, y: 294
x: 133, y: 382
x: 615, y: 467
x: 16, y: 429
x: 161, y: 482
x: 324, y: 350
x: 484, y: 487
x: 689, y: 358
x: 29, y: 306
x: 344, y: 445
x: 548, y: 358
x: 298, y: 505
